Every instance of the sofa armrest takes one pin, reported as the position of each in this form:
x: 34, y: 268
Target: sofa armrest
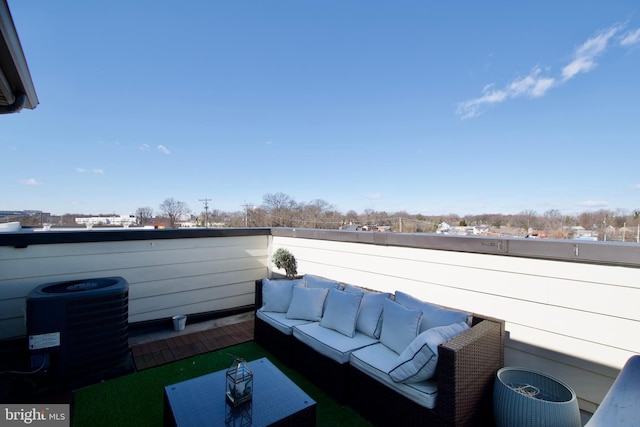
x: 258, y: 295
x: 467, y: 366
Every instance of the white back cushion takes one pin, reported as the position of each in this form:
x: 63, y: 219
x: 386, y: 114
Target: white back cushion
x: 307, y: 303
x: 370, y: 316
x: 341, y: 311
x: 434, y: 315
x: 276, y: 294
x: 399, y: 325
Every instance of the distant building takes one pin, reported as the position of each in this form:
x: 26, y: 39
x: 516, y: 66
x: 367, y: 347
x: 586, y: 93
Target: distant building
x: 468, y: 230
x: 379, y: 228
x: 351, y: 227
x: 580, y: 233
x: 120, y: 220
x: 537, y: 234
x: 5, y: 215
x: 443, y: 228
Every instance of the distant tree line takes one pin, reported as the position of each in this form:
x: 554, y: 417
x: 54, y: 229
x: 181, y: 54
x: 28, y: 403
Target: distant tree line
x: 282, y: 210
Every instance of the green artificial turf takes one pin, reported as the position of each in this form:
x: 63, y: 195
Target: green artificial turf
x: 138, y: 399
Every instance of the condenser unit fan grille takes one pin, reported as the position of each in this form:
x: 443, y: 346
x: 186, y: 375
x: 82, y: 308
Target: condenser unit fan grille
x: 89, y: 317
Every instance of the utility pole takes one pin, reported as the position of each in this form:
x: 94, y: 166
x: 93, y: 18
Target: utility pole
x: 206, y: 211
x: 246, y: 213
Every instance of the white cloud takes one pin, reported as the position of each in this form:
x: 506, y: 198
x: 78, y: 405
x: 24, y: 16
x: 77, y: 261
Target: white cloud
x: 584, y: 58
x: 268, y: 142
x: 630, y: 38
x: 29, y: 181
x: 533, y: 85
x: 636, y: 187
x: 374, y: 196
x: 164, y: 149
x: 97, y: 171
x: 471, y: 108
x: 144, y: 147
x: 594, y: 204
x: 538, y: 83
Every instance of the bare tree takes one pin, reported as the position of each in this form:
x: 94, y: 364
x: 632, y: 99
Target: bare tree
x: 351, y: 217
x: 318, y: 214
x: 173, y: 210
x: 368, y: 216
x: 280, y: 207
x: 257, y: 217
x: 553, y: 223
x: 528, y: 219
x: 144, y: 215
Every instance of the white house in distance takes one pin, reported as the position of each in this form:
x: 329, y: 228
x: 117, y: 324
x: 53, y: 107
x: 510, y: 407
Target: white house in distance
x: 119, y: 220
x: 462, y: 230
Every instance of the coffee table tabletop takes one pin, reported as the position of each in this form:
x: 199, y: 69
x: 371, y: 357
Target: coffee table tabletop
x: 277, y: 401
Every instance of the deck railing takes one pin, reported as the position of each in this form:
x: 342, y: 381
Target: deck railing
x: 570, y: 306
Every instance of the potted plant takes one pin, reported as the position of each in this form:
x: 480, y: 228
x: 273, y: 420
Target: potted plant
x: 285, y: 260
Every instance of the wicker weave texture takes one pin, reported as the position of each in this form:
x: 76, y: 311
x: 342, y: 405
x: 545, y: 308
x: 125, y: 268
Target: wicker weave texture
x: 274, y: 341
x: 528, y: 398
x: 331, y: 376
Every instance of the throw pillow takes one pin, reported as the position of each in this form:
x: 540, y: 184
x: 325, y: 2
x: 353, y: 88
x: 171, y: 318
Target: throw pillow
x: 434, y: 315
x: 341, y: 312
x: 370, y: 316
x: 419, y: 360
x: 276, y: 294
x: 306, y: 303
x: 399, y: 325
x: 312, y: 281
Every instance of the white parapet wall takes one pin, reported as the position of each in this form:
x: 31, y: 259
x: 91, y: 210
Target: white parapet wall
x: 166, y: 276
x: 577, y: 321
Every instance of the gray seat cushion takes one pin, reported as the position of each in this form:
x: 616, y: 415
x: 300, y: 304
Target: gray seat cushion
x: 330, y: 343
x: 378, y: 360
x: 279, y: 321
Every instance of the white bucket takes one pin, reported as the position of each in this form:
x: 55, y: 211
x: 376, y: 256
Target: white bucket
x: 179, y: 322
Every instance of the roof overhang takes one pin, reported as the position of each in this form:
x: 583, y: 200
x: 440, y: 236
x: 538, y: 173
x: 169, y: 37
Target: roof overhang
x: 16, y: 87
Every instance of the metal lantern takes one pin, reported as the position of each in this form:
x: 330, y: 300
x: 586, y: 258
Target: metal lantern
x: 239, y: 382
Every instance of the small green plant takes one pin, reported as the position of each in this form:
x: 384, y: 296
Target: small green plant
x: 284, y: 259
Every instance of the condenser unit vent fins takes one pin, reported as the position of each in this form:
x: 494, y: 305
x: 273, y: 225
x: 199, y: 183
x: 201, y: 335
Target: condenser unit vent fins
x: 90, y: 319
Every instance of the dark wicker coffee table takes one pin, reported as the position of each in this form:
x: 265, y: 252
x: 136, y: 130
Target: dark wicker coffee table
x: 277, y: 401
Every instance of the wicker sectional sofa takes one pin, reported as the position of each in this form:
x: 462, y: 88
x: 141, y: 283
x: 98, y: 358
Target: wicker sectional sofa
x: 394, y: 359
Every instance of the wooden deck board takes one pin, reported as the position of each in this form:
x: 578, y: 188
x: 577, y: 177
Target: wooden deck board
x: 168, y: 350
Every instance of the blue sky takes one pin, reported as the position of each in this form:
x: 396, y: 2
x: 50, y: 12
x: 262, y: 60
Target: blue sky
x: 429, y: 107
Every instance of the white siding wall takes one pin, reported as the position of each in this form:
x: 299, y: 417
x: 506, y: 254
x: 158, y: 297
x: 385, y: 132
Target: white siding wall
x: 578, y: 322
x: 166, y: 277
